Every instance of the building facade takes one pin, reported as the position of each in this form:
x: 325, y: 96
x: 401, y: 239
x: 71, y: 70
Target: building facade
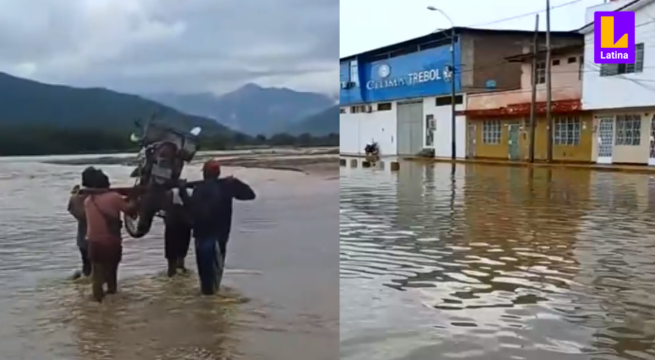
x: 621, y: 97
x: 498, y: 122
x: 400, y: 95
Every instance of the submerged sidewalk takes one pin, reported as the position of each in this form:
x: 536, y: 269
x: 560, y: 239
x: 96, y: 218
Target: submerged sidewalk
x: 637, y: 169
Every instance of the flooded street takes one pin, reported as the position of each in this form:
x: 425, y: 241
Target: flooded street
x: 280, y: 300
x: 496, y: 263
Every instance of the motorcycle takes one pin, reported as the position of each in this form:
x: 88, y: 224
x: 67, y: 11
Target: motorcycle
x: 372, y: 151
x: 160, y: 161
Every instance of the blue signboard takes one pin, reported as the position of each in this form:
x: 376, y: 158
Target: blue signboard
x: 421, y: 74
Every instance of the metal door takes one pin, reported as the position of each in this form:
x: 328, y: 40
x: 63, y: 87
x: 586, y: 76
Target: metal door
x: 514, y: 151
x: 471, y: 137
x: 605, y: 139
x: 410, y: 127
x: 651, y: 158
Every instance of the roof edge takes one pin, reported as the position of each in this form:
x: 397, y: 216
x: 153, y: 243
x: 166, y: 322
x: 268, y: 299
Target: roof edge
x: 444, y: 34
x: 631, y: 6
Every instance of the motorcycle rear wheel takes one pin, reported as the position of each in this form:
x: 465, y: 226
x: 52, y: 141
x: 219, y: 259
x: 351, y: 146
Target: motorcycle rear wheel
x: 137, y: 226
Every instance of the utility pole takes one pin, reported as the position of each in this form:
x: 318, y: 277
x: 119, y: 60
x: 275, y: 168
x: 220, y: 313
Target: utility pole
x: 453, y: 110
x: 549, y: 118
x: 533, y: 103
x: 453, y: 96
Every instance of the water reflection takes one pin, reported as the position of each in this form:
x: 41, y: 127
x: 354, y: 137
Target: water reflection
x: 495, y: 262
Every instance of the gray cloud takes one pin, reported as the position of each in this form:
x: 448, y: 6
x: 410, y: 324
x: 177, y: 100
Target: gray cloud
x: 146, y: 46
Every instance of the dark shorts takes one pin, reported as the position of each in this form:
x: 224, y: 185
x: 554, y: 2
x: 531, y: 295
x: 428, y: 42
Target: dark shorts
x: 105, y: 253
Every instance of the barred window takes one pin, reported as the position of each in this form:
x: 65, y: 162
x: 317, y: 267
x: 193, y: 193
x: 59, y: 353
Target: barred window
x: 618, y: 69
x: 567, y: 131
x: 491, y: 132
x: 628, y: 130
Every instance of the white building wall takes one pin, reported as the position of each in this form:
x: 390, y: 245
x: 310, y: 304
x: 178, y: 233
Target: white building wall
x: 443, y: 133
x: 357, y: 130
x: 627, y: 90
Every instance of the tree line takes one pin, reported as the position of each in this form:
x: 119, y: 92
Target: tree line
x: 43, y: 140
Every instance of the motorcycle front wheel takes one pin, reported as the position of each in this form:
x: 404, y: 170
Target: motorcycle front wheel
x: 139, y: 224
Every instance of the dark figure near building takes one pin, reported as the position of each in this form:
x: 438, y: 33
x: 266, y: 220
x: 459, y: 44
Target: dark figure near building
x: 177, y: 233
x: 103, y: 210
x: 76, y: 208
x: 210, y: 207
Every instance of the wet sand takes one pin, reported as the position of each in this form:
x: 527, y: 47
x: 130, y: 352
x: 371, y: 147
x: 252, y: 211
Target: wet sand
x: 280, y: 299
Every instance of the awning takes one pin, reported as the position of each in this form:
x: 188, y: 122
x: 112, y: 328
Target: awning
x: 557, y: 107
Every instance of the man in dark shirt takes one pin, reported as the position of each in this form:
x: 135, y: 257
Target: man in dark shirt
x: 177, y: 233
x: 210, y: 207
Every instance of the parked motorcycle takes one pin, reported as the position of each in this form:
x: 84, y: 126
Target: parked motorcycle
x: 160, y: 161
x: 372, y: 151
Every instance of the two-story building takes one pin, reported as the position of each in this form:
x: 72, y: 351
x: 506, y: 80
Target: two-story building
x: 622, y: 96
x: 400, y: 95
x: 498, y: 122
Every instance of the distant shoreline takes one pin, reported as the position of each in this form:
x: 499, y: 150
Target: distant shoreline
x: 307, y: 160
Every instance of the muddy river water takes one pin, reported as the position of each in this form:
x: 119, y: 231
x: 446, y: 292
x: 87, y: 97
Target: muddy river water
x: 496, y: 263
x: 280, y: 301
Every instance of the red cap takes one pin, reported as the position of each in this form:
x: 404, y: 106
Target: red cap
x: 211, y: 166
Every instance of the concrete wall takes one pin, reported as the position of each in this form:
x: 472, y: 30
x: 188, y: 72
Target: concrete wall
x: 626, y: 90
x: 577, y: 153
x: 443, y: 133
x: 357, y: 130
x: 489, y: 60
x: 566, y: 86
x: 636, y: 154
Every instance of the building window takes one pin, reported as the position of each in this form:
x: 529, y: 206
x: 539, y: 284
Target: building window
x: 555, y: 62
x: 618, y: 69
x: 567, y: 131
x: 446, y: 100
x: 571, y: 60
x: 628, y: 130
x: 343, y: 110
x: 358, y: 109
x: 541, y: 72
x: 384, y: 106
x: 491, y: 132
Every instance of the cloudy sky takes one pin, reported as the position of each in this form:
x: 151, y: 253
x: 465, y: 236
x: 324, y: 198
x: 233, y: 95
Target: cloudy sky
x: 151, y: 46
x: 391, y: 21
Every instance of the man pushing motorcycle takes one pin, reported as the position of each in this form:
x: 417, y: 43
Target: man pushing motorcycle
x: 210, y: 210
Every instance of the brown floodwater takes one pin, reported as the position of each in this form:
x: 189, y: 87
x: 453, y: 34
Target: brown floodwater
x: 496, y: 263
x: 280, y: 301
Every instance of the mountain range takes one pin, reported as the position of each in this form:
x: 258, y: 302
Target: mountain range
x: 253, y: 109
x: 250, y: 109
x: 323, y: 123
x: 29, y: 103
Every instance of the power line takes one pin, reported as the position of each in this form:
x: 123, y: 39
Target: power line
x: 526, y: 14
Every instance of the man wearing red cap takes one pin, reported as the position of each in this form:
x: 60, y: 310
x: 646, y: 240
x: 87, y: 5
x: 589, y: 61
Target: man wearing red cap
x: 210, y: 207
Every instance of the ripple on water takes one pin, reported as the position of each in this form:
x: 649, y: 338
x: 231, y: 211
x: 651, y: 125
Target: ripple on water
x: 46, y: 317
x: 497, y: 263
x: 150, y: 318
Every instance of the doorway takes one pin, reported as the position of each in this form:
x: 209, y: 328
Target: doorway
x: 470, y: 138
x: 410, y: 127
x: 514, y: 151
x: 605, y: 139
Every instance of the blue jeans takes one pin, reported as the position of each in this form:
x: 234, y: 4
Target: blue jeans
x: 209, y: 259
